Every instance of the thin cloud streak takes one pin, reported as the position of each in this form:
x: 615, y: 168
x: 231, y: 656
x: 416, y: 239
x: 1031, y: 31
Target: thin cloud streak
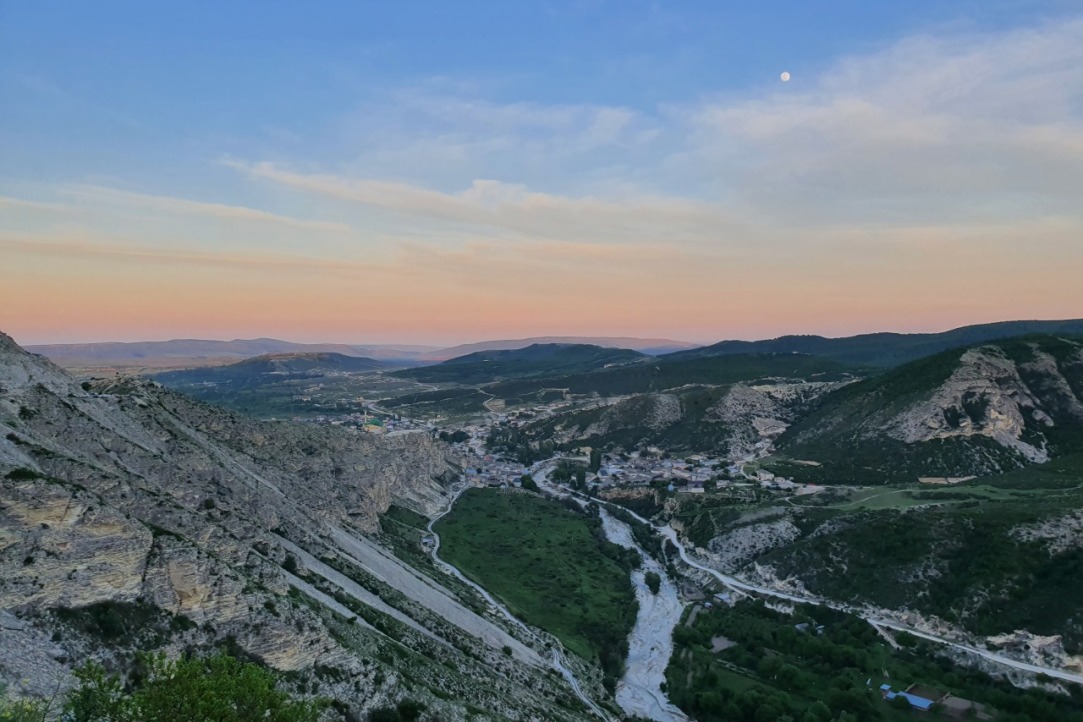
x: 515, y: 209
x: 91, y: 199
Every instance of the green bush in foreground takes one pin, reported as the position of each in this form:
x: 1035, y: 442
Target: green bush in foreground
x: 218, y: 689
x: 22, y: 710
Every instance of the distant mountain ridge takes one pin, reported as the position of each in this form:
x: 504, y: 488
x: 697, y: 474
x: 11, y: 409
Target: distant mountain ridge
x: 876, y: 350
x: 887, y: 349
x: 199, y: 352
x: 248, y: 370
x: 649, y: 346
x: 534, y: 360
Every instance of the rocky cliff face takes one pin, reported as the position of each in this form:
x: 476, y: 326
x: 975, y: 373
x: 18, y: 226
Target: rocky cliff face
x: 977, y: 411
x: 759, y: 413
x: 132, y: 517
x: 986, y: 395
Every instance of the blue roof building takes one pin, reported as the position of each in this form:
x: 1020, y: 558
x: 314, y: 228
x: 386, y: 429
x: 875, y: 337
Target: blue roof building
x: 919, y: 703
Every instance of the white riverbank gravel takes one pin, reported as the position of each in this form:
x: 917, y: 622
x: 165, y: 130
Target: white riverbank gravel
x: 650, y: 644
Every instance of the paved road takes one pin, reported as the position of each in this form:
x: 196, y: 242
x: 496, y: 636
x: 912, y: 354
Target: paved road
x: 734, y: 583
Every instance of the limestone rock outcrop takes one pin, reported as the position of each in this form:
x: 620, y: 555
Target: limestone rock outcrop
x: 132, y: 517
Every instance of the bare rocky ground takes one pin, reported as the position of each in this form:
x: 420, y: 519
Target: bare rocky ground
x: 135, y: 518
x: 983, y: 373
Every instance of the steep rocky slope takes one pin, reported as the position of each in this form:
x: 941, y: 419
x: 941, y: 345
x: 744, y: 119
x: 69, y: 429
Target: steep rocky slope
x: 967, y: 412
x: 132, y: 517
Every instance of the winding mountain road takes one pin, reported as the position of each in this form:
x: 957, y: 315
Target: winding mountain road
x: 734, y: 583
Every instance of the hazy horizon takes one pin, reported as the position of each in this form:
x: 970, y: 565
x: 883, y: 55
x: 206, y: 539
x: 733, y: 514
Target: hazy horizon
x: 441, y: 174
x: 439, y: 345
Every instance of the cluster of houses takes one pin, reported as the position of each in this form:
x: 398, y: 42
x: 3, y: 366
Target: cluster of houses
x: 495, y: 472
x: 692, y: 475
x: 368, y: 423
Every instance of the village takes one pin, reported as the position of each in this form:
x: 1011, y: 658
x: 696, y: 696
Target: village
x: 651, y: 467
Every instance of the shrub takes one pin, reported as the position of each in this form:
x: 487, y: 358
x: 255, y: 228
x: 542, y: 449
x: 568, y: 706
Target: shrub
x: 218, y: 689
x: 22, y: 710
x: 23, y: 474
x: 654, y: 581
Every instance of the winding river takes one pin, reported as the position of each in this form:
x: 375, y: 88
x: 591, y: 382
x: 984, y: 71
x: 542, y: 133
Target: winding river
x: 650, y: 644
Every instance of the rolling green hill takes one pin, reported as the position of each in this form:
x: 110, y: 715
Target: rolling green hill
x: 965, y: 412
x: 885, y: 349
x: 275, y: 385
x: 251, y: 371
x: 536, y: 360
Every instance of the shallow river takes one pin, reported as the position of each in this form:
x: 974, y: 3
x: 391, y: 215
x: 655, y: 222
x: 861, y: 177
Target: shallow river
x: 650, y: 644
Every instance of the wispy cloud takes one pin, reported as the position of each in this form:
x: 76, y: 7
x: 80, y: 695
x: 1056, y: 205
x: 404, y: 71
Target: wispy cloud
x: 17, y: 204
x: 934, y: 127
x: 933, y: 182
x: 96, y: 199
x: 514, y: 208
x: 97, y: 195
x: 92, y: 246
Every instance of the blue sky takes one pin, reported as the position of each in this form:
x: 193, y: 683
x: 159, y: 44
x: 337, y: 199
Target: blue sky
x: 459, y: 154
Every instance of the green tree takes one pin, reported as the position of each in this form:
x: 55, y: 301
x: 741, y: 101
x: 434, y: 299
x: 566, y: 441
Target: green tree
x: 595, y: 460
x: 817, y: 712
x: 527, y: 482
x: 580, y: 478
x: 653, y: 580
x: 218, y: 689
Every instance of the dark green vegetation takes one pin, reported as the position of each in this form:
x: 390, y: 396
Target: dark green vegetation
x: 124, y: 623
x: 1039, y: 378
x: 965, y: 558
x: 643, y: 534
x: 649, y: 375
x: 453, y: 401
x: 705, y: 517
x: 250, y: 371
x: 406, y: 711
x: 551, y: 565
x: 662, y: 373
x: 217, y: 689
x: 992, y: 555
x: 772, y: 670
x: 536, y: 360
x: 886, y: 349
x: 653, y: 581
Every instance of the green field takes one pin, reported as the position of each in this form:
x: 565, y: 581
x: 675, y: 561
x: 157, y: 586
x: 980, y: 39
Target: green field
x: 550, y: 565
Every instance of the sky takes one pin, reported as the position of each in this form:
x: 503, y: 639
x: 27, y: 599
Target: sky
x: 438, y: 172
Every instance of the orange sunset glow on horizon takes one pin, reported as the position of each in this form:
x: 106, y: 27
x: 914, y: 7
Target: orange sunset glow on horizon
x: 901, y: 186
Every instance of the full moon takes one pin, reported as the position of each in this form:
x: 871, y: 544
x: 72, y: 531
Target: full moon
x: 785, y: 77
